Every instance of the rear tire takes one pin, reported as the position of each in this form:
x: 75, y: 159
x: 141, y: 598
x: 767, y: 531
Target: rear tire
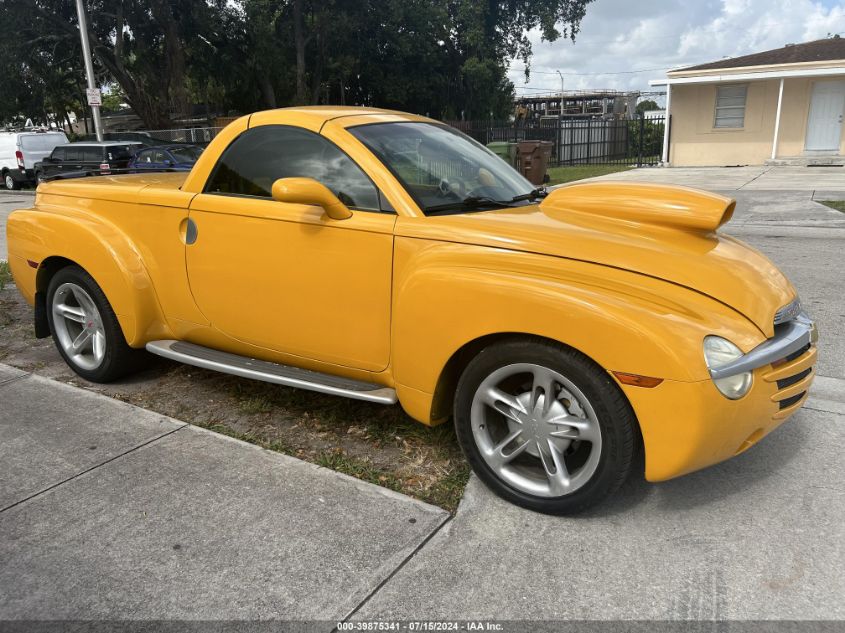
x: 556, y: 456
x: 85, y: 329
x: 10, y: 183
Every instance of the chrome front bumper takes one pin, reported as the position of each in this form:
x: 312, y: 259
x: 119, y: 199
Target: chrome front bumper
x: 789, y: 337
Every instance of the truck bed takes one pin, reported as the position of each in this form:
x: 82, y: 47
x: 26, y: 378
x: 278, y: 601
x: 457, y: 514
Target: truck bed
x: 152, y: 188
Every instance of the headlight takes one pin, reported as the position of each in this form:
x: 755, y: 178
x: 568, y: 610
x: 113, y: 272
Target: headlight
x: 719, y: 351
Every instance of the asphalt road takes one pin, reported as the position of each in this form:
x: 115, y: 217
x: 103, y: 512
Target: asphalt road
x: 8, y: 203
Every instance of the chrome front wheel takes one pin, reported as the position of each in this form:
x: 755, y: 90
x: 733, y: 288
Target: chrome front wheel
x: 544, y: 426
x: 78, y: 326
x: 536, y: 430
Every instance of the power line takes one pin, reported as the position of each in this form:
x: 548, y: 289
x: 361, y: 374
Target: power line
x: 645, y: 70
x: 621, y: 72
x: 723, y: 27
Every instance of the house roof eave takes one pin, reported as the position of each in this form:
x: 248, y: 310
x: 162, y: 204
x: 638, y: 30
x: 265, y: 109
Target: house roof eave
x: 754, y: 73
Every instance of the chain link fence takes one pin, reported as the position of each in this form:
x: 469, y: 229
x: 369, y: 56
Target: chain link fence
x: 194, y: 135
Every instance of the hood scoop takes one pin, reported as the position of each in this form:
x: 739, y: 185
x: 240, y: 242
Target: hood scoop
x: 643, y: 203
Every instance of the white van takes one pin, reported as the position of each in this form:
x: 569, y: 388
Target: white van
x: 19, y: 151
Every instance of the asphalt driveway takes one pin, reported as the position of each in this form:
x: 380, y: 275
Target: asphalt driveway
x: 752, y: 178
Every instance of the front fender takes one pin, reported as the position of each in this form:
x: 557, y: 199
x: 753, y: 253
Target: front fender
x: 447, y: 295
x: 99, y: 247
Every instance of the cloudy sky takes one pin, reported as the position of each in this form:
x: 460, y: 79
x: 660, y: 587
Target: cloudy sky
x: 621, y: 36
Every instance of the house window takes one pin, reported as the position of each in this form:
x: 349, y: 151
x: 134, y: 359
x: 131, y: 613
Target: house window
x: 730, y: 106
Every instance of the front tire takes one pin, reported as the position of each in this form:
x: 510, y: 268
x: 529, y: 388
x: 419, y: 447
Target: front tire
x: 85, y: 329
x: 556, y: 455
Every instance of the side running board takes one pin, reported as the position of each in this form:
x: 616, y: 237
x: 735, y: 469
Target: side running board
x: 226, y: 363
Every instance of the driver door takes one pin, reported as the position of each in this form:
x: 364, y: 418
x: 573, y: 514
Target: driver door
x: 287, y: 277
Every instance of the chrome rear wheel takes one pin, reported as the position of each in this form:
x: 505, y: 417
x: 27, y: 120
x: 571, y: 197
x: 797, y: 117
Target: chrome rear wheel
x: 78, y: 326
x: 85, y: 328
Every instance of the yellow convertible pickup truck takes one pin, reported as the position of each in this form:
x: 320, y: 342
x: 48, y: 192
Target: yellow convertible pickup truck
x: 387, y: 257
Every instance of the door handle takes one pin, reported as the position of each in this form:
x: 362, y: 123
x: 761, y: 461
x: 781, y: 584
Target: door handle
x: 188, y: 229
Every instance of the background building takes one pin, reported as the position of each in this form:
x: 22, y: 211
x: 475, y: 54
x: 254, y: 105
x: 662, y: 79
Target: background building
x: 784, y: 105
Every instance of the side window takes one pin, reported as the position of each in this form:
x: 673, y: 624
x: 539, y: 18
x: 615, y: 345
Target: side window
x: 91, y: 154
x: 262, y: 155
x: 119, y: 152
x: 730, y: 106
x: 58, y: 154
x: 73, y: 154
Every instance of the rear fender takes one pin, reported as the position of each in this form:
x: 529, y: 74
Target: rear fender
x: 51, y: 240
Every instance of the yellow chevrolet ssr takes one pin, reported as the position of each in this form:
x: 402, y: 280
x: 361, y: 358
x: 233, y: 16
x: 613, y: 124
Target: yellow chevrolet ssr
x: 387, y: 257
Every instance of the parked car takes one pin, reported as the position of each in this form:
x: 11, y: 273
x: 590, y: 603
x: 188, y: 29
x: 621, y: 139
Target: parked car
x: 387, y: 257
x: 86, y: 159
x: 20, y: 151
x: 175, y: 157
x: 135, y: 137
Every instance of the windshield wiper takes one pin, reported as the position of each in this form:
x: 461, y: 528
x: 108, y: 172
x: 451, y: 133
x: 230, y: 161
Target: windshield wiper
x: 539, y: 192
x: 468, y: 203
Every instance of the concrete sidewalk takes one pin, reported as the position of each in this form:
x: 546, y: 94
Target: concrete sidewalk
x: 109, y: 511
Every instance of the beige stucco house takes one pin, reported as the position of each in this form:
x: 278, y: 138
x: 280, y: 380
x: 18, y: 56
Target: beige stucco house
x: 783, y: 106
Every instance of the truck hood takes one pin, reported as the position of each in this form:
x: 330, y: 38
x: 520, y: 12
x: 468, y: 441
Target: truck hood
x: 664, y: 232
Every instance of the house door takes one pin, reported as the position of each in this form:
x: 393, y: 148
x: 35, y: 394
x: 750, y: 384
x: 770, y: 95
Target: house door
x: 824, y: 123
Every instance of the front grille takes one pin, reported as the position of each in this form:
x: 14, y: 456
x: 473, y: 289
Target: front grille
x: 788, y: 374
x: 783, y: 404
x: 788, y: 312
x: 797, y: 354
x: 783, y: 383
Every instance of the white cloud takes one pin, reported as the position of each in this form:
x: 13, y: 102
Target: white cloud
x: 620, y: 36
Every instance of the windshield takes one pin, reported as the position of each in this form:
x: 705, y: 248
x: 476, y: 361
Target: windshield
x: 440, y: 167
x: 187, y: 154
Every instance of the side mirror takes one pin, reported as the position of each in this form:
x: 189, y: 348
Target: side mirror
x: 309, y: 191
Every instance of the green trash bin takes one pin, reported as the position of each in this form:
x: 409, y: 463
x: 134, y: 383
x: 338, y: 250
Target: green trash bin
x: 504, y: 150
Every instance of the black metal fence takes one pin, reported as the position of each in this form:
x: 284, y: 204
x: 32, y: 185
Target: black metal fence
x: 636, y: 141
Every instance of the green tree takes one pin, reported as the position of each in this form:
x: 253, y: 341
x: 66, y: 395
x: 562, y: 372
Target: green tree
x: 40, y: 71
x: 146, y: 47
x: 647, y: 104
x: 445, y: 58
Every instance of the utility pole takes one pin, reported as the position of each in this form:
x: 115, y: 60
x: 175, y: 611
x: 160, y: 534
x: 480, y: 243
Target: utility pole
x: 559, y: 131
x: 89, y: 67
